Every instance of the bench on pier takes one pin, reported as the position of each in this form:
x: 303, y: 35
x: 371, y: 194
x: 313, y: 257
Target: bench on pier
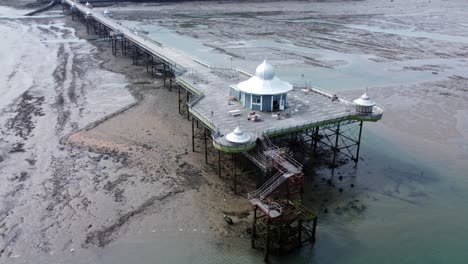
x: 235, y: 112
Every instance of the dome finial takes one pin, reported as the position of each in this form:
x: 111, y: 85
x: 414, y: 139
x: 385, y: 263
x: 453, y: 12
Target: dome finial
x: 265, y: 71
x: 238, y: 136
x: 364, y: 100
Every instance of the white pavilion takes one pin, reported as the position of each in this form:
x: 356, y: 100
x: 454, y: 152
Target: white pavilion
x: 262, y: 92
x: 364, y: 104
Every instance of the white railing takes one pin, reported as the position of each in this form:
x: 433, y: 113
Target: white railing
x: 256, y: 193
x: 377, y: 108
x: 275, y: 153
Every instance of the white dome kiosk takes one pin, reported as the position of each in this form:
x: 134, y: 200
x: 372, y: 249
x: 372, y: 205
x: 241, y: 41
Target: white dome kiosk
x: 364, y: 104
x: 88, y: 14
x: 262, y: 92
x: 107, y: 13
x: 238, y: 136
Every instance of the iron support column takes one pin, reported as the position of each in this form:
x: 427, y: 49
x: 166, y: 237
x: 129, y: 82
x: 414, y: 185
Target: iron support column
x: 316, y: 139
x: 164, y: 74
x: 219, y: 163
x: 267, y: 243
x: 180, y: 101
x: 206, y: 148
x: 299, y: 233
x: 254, y: 227
x: 314, y: 228
x: 188, y: 106
x: 335, y: 149
x: 193, y: 135
x: 234, y: 171
x: 358, y: 144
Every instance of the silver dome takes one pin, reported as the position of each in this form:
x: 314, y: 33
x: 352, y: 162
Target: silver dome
x: 265, y: 71
x: 364, y: 100
x: 238, y: 136
x: 264, y: 82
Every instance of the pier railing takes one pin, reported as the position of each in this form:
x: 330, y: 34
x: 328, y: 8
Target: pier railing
x: 377, y: 108
x: 285, y: 130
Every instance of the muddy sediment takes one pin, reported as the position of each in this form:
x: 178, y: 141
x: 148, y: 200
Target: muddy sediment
x: 94, y: 148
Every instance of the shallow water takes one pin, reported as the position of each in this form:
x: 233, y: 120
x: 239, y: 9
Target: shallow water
x: 358, y: 70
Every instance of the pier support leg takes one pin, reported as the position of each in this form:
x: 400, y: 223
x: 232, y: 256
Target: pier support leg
x: 188, y: 100
x: 314, y: 228
x: 113, y: 46
x: 316, y: 139
x: 358, y: 144
x: 267, y: 242
x: 335, y: 148
x: 147, y: 62
x: 254, y: 227
x: 219, y: 163
x: 180, y: 110
x: 164, y: 74
x: 123, y: 45
x: 206, y: 148
x: 170, y: 79
x: 299, y: 233
x: 193, y: 134
x: 234, y: 161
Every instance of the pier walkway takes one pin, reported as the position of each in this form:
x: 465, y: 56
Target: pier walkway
x: 307, y: 107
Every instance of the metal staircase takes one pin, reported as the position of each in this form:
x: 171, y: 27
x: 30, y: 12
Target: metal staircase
x: 270, y: 156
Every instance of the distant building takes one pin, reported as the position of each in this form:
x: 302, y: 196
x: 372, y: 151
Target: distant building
x: 262, y: 92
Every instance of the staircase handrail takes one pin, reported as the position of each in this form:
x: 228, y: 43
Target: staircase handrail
x: 278, y: 175
x: 273, y: 186
x: 278, y: 158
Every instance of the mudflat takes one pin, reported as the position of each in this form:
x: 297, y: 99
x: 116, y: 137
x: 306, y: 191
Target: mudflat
x: 93, y: 150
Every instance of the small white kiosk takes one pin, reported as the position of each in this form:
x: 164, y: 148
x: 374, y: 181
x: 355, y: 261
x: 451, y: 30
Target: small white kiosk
x: 107, y: 13
x: 238, y: 136
x: 364, y: 104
